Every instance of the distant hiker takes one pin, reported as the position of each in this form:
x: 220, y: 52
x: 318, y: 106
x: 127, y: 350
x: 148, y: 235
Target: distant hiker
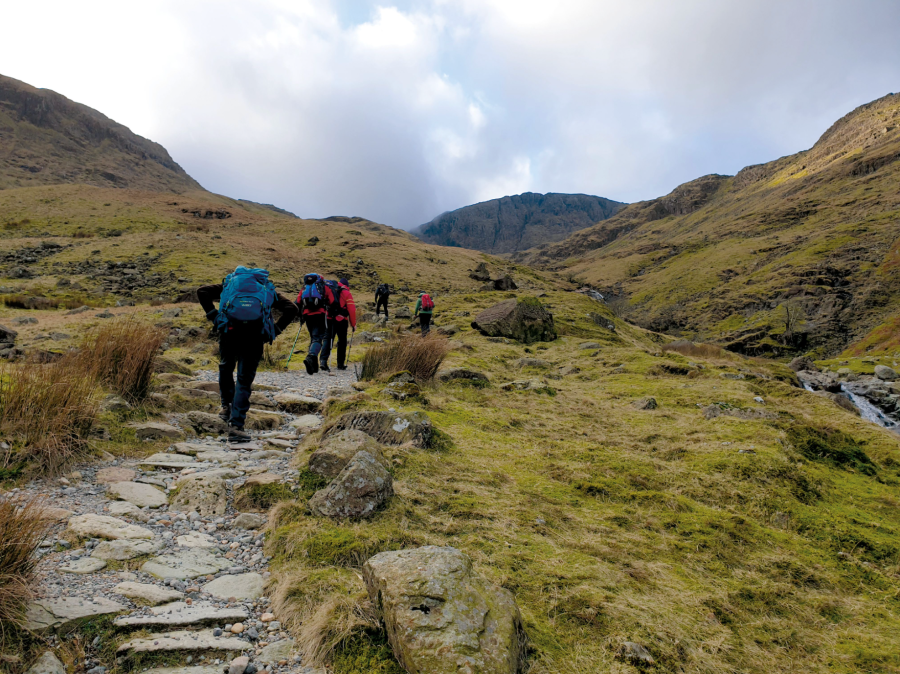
x: 382, y: 292
x: 314, y: 299
x: 244, y: 323
x: 341, y: 314
x: 424, y: 310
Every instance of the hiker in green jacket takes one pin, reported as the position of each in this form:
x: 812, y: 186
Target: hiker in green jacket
x: 424, y: 309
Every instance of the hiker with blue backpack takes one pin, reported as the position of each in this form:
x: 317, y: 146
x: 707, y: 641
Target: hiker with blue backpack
x: 245, y: 324
x: 314, y: 300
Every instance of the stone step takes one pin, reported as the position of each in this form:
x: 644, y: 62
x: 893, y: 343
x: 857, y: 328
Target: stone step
x: 186, y: 563
x: 201, y: 669
x: 184, y: 640
x: 61, y: 614
x: 180, y: 613
x: 104, y: 526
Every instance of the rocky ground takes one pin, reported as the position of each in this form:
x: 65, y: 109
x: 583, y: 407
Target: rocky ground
x: 158, y: 543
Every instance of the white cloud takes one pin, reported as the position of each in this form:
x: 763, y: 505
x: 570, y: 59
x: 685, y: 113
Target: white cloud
x: 371, y: 108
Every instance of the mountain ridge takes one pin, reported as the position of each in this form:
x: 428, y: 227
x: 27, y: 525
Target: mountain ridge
x: 512, y: 223
x: 47, y: 139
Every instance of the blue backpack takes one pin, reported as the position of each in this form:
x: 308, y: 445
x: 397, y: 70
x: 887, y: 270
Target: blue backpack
x: 313, y: 296
x: 247, y: 297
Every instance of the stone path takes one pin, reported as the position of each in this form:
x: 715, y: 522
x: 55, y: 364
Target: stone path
x: 191, y: 571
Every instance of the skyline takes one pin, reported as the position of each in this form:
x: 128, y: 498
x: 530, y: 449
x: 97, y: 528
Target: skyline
x: 399, y: 112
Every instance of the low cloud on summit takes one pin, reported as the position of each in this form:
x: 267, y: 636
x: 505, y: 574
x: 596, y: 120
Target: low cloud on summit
x: 399, y: 111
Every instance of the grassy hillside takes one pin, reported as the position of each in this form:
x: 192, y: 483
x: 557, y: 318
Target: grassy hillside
x: 46, y: 139
x: 727, y: 530
x: 163, y: 245
x: 722, y: 257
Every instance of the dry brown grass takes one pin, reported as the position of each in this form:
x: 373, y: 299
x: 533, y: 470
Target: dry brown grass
x: 46, y: 411
x: 22, y: 528
x: 121, y: 356
x: 691, y: 350
x: 421, y: 356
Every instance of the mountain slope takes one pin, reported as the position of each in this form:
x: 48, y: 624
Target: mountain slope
x: 515, y: 223
x: 46, y: 139
x: 815, y: 234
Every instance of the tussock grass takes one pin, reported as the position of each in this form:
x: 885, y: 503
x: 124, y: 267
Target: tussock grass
x: 420, y: 356
x: 691, y: 350
x: 22, y: 528
x: 46, y: 412
x: 121, y: 355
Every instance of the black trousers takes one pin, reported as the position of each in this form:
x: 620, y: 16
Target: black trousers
x: 238, y: 348
x: 381, y: 302
x: 337, y: 330
x: 425, y: 322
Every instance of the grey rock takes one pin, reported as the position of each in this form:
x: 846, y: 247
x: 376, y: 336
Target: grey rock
x: 337, y: 450
x: 141, y: 495
x: 185, y: 563
x: 307, y: 421
x: 66, y: 612
x: 461, y: 373
x: 238, y: 665
x: 126, y: 509
x: 440, y: 616
x: 241, y: 586
x: 524, y: 319
x: 83, y: 565
x: 884, y: 373
x: 645, y: 404
x: 357, y: 492
x: 102, y: 526
x: 48, y: 663
x: 154, y: 430
x: 124, y: 549
x: 204, y: 492
x: 199, y: 669
x: 248, y: 521
x: 276, y: 652
x: 204, y: 422
x: 114, y: 403
x: 297, y: 404
x: 147, y: 593
x: 387, y: 428
x: 183, y: 640
x: 179, y: 613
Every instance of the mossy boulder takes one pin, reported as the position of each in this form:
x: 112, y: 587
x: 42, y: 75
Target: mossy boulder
x: 402, y: 390
x: 523, y: 319
x: 337, y: 451
x: 387, y: 428
x: 442, y: 617
x: 361, y: 488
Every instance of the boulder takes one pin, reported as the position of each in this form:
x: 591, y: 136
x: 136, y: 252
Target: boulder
x: 820, y: 381
x: 297, y: 404
x: 248, y: 521
x: 440, y: 616
x: 803, y: 363
x: 114, y: 474
x: 455, y: 373
x: 481, y: 273
x: 357, y: 492
x: 402, y: 312
x: 154, y: 430
x: 524, y: 319
x: 448, y: 330
x: 274, y: 653
x: 505, y: 282
x: 141, y: 495
x: 645, y: 404
x: 884, y: 373
x: 102, y: 526
x: 337, y: 450
x: 402, y: 390
x: 387, y: 428
x: 203, y: 492
x: 48, y: 663
x: 7, y: 335
x: 260, y: 420
x: 114, y: 403
x: 205, y: 423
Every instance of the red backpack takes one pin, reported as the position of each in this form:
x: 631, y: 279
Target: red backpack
x: 427, y: 302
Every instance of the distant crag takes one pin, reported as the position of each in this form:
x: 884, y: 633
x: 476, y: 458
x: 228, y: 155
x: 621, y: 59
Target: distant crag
x: 516, y: 223
x: 46, y: 139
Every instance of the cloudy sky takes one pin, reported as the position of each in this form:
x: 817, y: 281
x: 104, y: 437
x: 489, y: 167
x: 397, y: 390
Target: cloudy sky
x: 398, y: 111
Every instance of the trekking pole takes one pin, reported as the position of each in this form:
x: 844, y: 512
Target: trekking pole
x: 291, y: 354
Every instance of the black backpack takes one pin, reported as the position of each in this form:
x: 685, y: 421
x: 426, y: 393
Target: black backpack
x: 384, y: 290
x: 335, y: 309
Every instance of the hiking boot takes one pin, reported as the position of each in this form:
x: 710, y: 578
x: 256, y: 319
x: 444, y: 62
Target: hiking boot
x: 342, y: 367
x: 236, y: 434
x: 312, y: 365
x: 324, y: 367
x: 225, y: 413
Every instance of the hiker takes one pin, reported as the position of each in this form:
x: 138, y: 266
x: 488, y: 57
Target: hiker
x: 244, y: 323
x: 424, y: 309
x: 341, y: 314
x: 382, y: 292
x: 314, y: 299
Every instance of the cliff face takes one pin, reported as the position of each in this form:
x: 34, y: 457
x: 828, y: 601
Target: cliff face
x: 46, y: 139
x: 516, y: 223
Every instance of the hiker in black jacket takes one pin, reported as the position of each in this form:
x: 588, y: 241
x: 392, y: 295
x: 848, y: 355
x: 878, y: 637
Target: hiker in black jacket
x: 240, y: 345
x: 382, y: 292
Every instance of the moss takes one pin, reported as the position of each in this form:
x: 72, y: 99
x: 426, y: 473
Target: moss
x: 308, y: 483
x: 261, y: 496
x: 366, y: 653
x: 439, y: 441
x: 831, y: 445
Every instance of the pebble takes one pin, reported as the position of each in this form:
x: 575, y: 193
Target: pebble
x: 237, y: 628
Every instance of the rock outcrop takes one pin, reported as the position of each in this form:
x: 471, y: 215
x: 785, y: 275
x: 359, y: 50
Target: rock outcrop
x: 362, y: 487
x: 337, y: 450
x: 440, y: 616
x: 388, y: 428
x: 524, y: 320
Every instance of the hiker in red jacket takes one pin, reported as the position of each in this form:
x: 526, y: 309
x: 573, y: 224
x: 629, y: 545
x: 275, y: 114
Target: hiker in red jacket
x: 341, y: 316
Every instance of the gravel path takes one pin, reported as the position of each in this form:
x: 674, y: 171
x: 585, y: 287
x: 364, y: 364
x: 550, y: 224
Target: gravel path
x: 229, y: 544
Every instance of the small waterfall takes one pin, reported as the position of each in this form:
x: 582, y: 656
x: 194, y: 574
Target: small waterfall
x: 867, y: 410
x: 807, y: 386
